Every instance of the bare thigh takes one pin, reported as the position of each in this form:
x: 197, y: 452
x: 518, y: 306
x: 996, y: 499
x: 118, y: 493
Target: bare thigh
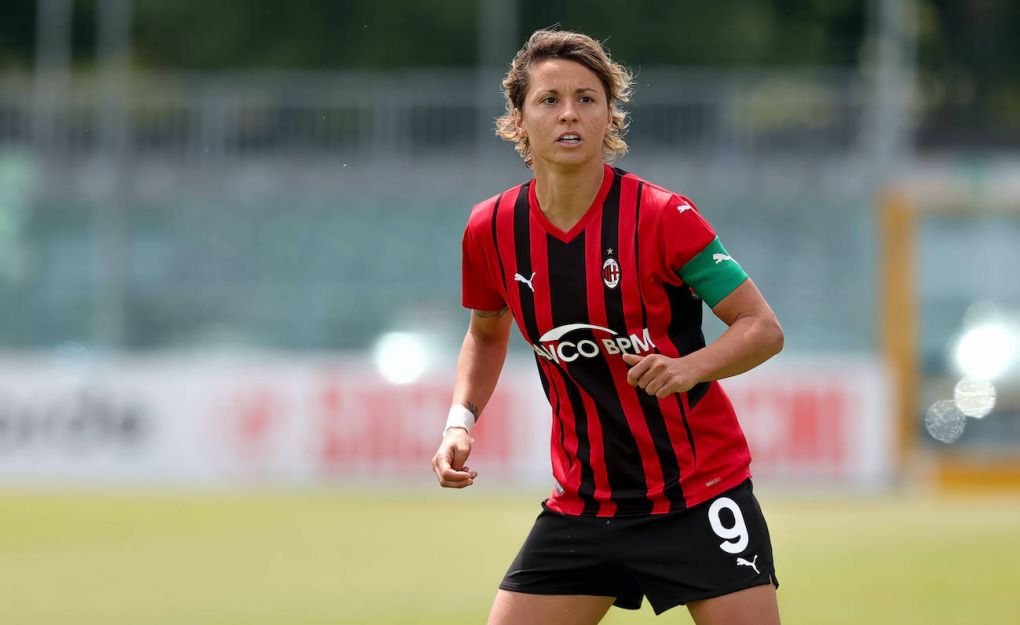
x: 517, y: 608
x: 755, y: 606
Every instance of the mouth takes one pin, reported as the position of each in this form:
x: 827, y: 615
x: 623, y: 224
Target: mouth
x: 569, y: 138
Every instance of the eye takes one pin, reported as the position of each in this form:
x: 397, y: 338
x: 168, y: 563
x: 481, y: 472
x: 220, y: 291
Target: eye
x: 587, y: 99
x: 548, y: 100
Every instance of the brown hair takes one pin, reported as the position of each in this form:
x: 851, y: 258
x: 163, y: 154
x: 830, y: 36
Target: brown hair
x: 554, y: 44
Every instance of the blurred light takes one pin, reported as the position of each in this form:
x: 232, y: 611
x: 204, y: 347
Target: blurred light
x: 986, y: 351
x: 944, y: 421
x: 974, y: 397
x: 401, y: 357
x: 981, y: 312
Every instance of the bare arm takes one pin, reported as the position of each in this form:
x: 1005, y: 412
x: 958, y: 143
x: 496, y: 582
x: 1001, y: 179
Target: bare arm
x: 753, y: 336
x: 481, y: 359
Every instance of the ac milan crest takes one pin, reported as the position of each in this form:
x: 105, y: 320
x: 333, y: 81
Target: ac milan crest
x: 611, y: 273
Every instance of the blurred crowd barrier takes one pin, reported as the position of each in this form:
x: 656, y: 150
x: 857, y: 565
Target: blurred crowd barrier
x: 290, y: 421
x: 318, y: 256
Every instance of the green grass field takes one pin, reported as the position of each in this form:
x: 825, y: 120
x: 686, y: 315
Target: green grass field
x: 436, y: 557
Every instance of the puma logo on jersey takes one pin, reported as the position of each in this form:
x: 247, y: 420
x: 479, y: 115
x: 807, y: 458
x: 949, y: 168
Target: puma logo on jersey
x: 518, y: 277
x: 743, y: 562
x: 684, y: 207
x: 718, y: 258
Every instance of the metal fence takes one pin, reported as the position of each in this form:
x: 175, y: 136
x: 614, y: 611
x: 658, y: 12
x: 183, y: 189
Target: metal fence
x: 703, y: 113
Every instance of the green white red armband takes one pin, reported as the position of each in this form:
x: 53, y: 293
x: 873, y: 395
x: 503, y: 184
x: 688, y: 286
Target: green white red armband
x: 459, y: 417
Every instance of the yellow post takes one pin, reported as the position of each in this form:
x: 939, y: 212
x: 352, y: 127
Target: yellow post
x: 899, y: 319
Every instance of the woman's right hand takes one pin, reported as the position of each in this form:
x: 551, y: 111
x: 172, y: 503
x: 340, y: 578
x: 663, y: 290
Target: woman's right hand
x: 448, y: 463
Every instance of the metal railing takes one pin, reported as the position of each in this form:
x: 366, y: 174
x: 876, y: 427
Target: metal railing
x: 402, y: 114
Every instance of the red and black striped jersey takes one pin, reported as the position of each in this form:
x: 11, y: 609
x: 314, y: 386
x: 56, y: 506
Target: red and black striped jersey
x: 630, y: 277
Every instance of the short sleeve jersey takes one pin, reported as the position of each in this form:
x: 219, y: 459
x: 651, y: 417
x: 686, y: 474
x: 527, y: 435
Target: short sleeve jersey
x: 630, y: 277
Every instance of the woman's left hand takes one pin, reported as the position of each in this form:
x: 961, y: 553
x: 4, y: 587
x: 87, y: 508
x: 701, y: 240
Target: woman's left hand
x: 660, y: 375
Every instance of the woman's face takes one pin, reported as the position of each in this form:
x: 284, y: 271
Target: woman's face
x: 565, y: 115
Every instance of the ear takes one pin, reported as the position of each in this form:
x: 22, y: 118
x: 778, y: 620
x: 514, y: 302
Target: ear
x: 519, y: 122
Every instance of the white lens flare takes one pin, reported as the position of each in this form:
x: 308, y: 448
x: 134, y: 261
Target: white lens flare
x: 974, y: 397
x: 986, y: 351
x: 401, y: 357
x: 944, y: 421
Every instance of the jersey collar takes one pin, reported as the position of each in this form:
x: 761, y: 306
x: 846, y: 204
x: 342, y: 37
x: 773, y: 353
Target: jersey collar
x: 593, y: 210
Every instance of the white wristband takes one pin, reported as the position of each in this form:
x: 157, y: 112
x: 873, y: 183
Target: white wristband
x: 459, y: 417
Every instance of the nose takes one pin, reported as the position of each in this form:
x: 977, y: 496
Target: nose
x: 568, y: 113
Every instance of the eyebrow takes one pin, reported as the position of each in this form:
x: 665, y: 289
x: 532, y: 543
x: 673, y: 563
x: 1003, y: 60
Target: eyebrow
x: 579, y: 90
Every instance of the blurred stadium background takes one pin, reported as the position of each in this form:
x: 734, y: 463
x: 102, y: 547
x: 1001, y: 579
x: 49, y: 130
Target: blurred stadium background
x: 229, y: 264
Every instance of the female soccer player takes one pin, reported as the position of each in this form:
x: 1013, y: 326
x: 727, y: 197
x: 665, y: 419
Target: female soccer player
x: 605, y: 275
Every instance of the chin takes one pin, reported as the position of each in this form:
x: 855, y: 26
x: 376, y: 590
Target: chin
x: 572, y: 160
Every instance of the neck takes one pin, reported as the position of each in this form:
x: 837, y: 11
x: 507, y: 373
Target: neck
x: 565, y: 195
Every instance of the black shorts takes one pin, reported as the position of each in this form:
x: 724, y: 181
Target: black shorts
x: 715, y: 548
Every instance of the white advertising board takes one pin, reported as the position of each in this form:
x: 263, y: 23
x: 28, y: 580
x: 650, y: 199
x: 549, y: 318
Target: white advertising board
x: 303, y: 422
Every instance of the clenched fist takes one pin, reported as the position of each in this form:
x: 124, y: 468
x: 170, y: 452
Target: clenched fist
x: 448, y: 463
x: 660, y: 375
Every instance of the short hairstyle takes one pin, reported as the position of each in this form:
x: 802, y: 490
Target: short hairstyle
x: 544, y: 44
